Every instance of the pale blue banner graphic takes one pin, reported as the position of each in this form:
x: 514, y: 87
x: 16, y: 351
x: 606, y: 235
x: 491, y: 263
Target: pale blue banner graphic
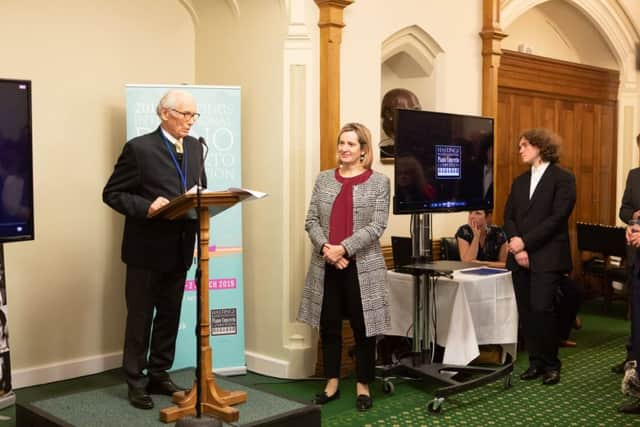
x: 219, y: 124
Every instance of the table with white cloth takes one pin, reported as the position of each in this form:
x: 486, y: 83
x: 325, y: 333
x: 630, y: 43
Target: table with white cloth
x: 469, y: 310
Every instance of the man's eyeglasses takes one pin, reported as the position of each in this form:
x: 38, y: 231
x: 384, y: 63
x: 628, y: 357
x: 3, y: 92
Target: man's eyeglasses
x: 187, y: 115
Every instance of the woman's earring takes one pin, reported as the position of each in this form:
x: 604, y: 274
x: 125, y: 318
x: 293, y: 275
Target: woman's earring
x: 362, y: 157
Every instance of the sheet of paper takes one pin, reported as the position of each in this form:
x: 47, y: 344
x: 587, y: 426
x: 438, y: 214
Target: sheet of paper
x: 194, y: 189
x: 254, y: 194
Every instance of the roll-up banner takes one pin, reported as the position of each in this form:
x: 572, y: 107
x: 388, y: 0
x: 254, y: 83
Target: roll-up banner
x: 219, y: 124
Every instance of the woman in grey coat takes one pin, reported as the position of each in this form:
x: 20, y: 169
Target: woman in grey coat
x: 347, y: 275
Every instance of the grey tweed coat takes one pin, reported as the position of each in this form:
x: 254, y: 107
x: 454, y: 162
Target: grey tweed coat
x: 370, y: 214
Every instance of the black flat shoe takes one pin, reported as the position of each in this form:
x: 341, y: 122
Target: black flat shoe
x: 531, y: 374
x: 364, y: 402
x: 630, y: 408
x: 322, y: 398
x: 139, y: 398
x: 551, y: 377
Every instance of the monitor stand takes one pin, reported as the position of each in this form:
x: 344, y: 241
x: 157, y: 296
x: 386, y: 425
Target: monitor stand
x: 421, y: 238
x: 419, y: 364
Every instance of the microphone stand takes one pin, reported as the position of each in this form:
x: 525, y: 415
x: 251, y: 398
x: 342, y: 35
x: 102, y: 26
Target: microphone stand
x: 198, y: 421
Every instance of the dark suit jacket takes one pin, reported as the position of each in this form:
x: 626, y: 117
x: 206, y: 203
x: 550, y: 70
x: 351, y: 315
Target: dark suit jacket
x: 145, y: 171
x: 542, y: 222
x: 630, y: 204
x: 631, y: 196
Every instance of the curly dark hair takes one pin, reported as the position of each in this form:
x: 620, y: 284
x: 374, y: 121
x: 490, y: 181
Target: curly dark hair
x: 547, y: 141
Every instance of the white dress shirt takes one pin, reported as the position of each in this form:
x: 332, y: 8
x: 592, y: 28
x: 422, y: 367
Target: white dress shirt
x: 536, y: 175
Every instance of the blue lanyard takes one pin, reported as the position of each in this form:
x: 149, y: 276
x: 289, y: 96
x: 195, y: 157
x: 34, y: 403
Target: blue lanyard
x: 183, y: 175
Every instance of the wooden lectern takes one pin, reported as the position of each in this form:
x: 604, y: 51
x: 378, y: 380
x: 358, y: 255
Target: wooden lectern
x: 213, y: 400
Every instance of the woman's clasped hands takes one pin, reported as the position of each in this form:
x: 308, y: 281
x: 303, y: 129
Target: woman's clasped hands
x: 334, y: 255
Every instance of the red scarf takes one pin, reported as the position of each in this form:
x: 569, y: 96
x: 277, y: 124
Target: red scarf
x: 341, y: 220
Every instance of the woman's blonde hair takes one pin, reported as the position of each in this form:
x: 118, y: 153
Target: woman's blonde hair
x: 364, y: 138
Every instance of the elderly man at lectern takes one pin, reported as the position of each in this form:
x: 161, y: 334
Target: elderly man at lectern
x: 152, y: 170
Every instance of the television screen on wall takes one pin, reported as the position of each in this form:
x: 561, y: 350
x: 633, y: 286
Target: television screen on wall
x: 16, y: 161
x: 443, y: 163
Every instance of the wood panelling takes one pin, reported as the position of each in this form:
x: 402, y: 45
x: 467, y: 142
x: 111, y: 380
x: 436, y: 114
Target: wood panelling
x: 491, y: 36
x: 559, y: 78
x: 387, y: 253
x: 331, y: 24
x: 579, y: 103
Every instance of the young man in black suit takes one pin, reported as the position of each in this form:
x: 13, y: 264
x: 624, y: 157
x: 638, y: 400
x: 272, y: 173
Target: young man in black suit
x: 536, y: 222
x: 153, y: 169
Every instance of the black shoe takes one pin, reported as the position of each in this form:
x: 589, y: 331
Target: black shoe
x: 618, y: 368
x: 322, y: 398
x: 630, y: 408
x: 551, y: 377
x: 166, y: 387
x: 139, y: 398
x: 364, y: 402
x: 531, y: 374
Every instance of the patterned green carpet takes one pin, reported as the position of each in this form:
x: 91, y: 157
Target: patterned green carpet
x: 587, y: 395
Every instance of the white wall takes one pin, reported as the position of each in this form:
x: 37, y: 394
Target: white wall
x: 65, y: 288
x: 558, y: 30
x: 454, y: 26
x: 246, y: 49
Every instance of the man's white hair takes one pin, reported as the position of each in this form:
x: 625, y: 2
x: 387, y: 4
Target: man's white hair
x: 170, y: 99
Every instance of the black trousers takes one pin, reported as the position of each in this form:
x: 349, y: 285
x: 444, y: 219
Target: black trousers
x: 632, y: 282
x: 148, y: 291
x: 536, y: 294
x: 342, y: 299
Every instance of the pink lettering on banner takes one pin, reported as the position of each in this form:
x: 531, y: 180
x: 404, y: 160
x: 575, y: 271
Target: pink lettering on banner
x: 190, y: 285
x: 217, y: 284
x: 214, y: 284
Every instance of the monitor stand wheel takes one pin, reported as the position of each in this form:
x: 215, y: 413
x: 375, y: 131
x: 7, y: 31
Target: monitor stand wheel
x: 435, y: 406
x: 387, y: 386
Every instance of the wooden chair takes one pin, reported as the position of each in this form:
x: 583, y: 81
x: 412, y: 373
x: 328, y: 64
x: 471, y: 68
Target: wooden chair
x: 591, y: 249
x: 617, y: 270
x: 449, y: 249
x: 604, y: 251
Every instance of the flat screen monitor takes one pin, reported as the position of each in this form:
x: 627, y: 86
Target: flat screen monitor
x: 444, y: 162
x: 16, y: 165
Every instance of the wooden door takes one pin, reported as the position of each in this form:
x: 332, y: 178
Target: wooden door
x: 579, y: 103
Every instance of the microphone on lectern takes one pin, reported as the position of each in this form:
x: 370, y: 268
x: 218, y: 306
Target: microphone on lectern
x: 205, y: 151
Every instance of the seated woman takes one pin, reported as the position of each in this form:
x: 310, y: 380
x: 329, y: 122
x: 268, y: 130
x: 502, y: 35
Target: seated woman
x: 479, y: 240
